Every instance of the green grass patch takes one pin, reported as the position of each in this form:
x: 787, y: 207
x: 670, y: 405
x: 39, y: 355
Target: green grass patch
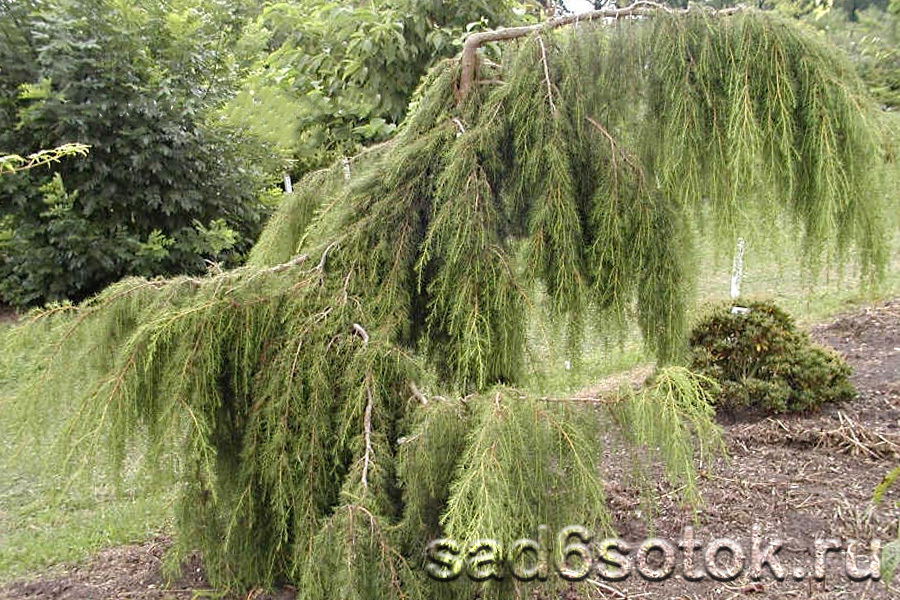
x: 46, y: 516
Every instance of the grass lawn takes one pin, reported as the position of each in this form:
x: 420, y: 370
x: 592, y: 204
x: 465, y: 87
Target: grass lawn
x: 47, y: 517
x: 784, y: 281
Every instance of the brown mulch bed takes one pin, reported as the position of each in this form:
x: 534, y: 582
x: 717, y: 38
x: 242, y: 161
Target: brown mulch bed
x: 124, y: 572
x: 798, y: 477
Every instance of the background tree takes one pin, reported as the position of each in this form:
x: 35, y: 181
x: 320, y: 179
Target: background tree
x: 872, y: 40
x: 326, y: 78
x: 180, y: 157
x: 164, y: 188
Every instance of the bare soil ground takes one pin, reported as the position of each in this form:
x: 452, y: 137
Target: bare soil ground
x: 799, y: 478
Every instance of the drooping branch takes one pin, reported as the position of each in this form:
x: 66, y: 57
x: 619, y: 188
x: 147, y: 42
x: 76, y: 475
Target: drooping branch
x: 367, y: 426
x: 13, y: 163
x: 469, y: 60
x: 547, y: 75
x: 614, y: 146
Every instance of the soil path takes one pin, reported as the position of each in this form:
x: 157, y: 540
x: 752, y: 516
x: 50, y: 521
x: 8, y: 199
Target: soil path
x: 799, y: 478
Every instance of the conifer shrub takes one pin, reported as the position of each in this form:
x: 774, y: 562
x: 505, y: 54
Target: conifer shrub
x: 762, y: 361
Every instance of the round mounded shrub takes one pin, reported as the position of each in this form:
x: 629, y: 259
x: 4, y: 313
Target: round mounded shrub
x: 762, y: 361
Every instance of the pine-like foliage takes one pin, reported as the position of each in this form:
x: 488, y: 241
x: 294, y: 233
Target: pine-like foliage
x: 290, y: 387
x: 764, y: 363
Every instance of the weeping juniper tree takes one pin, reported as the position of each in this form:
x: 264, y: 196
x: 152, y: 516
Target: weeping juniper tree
x: 355, y: 391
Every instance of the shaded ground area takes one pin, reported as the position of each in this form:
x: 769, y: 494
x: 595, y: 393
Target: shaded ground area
x: 124, y: 572
x: 7, y: 314
x: 798, y: 478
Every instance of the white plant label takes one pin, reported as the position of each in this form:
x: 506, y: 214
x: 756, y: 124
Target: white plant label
x: 737, y: 269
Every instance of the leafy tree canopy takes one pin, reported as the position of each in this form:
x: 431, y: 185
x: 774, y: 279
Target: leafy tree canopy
x: 180, y: 158
x: 872, y: 40
x: 325, y: 78
x: 164, y: 186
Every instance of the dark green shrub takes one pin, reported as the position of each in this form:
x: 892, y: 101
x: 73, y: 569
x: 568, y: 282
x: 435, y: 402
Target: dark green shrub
x: 166, y: 186
x: 763, y: 361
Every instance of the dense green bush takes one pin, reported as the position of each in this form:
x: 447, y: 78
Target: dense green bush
x: 164, y: 188
x: 761, y: 360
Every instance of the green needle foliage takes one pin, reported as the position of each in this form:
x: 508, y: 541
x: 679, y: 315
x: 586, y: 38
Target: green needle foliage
x: 290, y: 387
x: 890, y: 554
x: 670, y: 417
x: 13, y: 163
x: 763, y: 363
